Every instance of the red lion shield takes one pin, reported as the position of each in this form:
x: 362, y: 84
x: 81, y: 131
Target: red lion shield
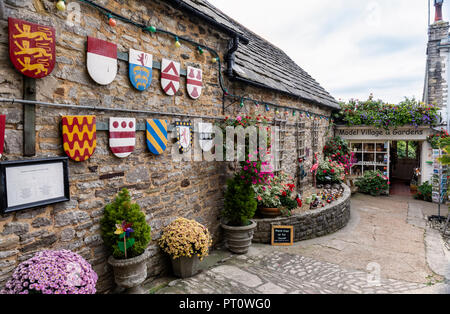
x: 31, y: 48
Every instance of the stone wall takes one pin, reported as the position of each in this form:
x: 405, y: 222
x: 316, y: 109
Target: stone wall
x: 165, y: 189
x: 309, y: 225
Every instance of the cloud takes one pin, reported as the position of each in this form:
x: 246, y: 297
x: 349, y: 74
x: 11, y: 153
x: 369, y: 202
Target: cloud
x: 350, y: 47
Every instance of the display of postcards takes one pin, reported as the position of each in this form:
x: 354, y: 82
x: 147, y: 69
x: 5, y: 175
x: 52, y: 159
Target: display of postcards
x: 436, y: 189
x: 436, y: 152
x: 386, y: 144
x: 435, y: 197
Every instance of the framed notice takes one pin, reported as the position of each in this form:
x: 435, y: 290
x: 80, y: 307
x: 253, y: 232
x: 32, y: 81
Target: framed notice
x: 33, y: 183
x: 282, y: 235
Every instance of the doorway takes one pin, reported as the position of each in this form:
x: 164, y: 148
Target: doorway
x: 405, y: 158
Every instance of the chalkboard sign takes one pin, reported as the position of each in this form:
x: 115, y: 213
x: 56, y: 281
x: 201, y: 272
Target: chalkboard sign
x: 282, y: 235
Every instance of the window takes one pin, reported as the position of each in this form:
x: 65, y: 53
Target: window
x: 279, y: 149
x: 315, y: 136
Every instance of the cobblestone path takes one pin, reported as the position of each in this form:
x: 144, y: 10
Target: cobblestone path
x: 283, y: 273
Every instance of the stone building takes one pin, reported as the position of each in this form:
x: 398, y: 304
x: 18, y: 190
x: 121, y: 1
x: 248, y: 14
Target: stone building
x: 253, y: 70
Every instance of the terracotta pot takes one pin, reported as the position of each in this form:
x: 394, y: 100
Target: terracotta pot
x: 185, y: 267
x: 130, y: 273
x: 239, y: 239
x: 270, y: 212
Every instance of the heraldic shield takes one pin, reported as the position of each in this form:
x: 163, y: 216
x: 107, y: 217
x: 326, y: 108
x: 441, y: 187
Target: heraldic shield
x: 157, y: 136
x: 2, y: 132
x: 170, y: 76
x: 79, y: 136
x: 101, y: 60
x: 122, y: 136
x: 184, y: 135
x: 194, y: 82
x: 31, y: 48
x: 140, y: 72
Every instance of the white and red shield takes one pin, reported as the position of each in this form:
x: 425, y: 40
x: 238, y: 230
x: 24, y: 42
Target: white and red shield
x: 122, y: 136
x: 101, y: 60
x: 31, y: 48
x: 194, y: 82
x: 170, y: 76
x: 2, y: 132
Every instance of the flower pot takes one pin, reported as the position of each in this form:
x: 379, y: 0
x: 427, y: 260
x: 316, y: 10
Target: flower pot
x: 130, y: 273
x: 185, y: 267
x: 270, y: 212
x: 239, y: 239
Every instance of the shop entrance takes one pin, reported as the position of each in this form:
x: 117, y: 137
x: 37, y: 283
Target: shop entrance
x: 405, y: 159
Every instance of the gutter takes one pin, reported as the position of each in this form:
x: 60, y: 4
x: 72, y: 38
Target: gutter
x: 180, y: 4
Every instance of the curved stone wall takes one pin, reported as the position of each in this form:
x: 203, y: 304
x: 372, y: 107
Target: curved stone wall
x: 309, y: 225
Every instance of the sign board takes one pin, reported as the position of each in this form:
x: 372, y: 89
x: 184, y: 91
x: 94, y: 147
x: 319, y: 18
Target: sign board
x: 282, y: 235
x: 33, y: 183
x: 371, y: 133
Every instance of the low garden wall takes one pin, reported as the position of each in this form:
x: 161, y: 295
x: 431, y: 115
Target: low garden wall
x: 311, y: 224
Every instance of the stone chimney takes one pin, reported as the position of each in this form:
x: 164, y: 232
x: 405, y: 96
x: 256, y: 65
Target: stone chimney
x: 436, y: 86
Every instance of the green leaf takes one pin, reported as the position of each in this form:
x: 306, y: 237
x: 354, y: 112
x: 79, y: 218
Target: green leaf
x: 129, y: 243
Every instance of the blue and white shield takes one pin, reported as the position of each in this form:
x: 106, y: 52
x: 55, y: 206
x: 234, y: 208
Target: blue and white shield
x: 141, y: 64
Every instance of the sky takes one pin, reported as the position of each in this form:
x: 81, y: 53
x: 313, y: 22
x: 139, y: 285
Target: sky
x: 351, y: 47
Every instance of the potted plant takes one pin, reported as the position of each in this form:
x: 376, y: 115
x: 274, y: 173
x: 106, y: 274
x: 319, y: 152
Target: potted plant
x: 275, y: 198
x: 239, y: 208
x: 52, y: 272
x: 126, y: 234
x: 187, y: 242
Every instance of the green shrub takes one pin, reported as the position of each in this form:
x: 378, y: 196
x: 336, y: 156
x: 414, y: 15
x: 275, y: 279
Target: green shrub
x: 424, y: 192
x: 117, y: 212
x: 330, y: 172
x: 240, y: 203
x: 373, y: 183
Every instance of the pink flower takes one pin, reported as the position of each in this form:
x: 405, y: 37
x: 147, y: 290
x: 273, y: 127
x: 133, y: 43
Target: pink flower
x: 239, y: 118
x: 259, y: 198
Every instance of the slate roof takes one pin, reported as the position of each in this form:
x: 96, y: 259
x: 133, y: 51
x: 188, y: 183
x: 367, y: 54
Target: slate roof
x: 261, y: 62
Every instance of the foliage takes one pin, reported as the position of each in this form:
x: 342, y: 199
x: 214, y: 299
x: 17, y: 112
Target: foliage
x: 401, y: 149
x: 246, y: 121
x: 424, y: 192
x: 184, y: 237
x: 115, y: 214
x: 373, y: 183
x: 337, y: 149
x: 276, y: 194
x: 435, y: 139
x: 330, y: 171
x: 445, y: 144
x: 240, y: 203
x: 382, y: 115
x: 53, y: 272
x: 255, y: 172
x: 259, y: 122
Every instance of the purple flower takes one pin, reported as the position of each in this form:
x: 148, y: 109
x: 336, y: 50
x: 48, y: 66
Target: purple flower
x: 52, y: 272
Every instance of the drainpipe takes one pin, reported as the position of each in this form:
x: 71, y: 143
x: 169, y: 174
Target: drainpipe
x: 2, y: 10
x: 230, y: 56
